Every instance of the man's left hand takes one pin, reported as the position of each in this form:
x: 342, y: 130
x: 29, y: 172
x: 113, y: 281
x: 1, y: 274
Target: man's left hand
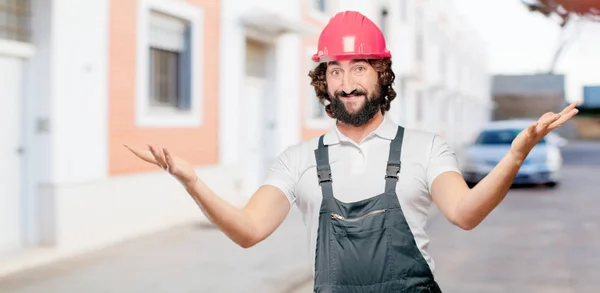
x: 530, y: 136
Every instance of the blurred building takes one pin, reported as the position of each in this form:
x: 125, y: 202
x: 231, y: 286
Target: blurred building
x: 441, y: 69
x: 222, y: 84
x: 527, y: 96
x: 591, y: 97
x: 587, y: 122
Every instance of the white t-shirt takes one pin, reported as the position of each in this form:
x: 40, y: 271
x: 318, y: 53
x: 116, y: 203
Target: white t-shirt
x: 358, y: 173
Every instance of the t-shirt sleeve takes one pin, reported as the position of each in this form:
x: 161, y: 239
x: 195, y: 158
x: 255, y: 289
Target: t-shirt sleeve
x: 282, y: 174
x: 441, y: 159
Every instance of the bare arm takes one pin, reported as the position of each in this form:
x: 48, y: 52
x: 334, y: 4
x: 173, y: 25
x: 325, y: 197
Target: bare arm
x: 467, y: 208
x: 263, y: 213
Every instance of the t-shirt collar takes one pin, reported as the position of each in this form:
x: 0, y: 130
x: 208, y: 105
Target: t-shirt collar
x: 387, y: 130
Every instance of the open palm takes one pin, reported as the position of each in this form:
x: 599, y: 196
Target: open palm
x: 180, y: 169
x: 530, y: 136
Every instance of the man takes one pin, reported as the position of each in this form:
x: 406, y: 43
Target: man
x: 366, y: 186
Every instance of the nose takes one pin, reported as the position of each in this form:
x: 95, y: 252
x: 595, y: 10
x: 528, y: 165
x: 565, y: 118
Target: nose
x: 348, y: 84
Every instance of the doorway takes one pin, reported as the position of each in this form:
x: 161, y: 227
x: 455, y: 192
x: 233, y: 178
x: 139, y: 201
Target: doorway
x: 258, y: 121
x: 11, y: 199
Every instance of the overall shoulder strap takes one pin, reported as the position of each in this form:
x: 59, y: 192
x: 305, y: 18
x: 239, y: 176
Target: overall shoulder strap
x: 323, y: 168
x: 394, y: 164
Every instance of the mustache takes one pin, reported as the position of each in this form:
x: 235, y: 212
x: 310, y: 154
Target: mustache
x: 353, y: 93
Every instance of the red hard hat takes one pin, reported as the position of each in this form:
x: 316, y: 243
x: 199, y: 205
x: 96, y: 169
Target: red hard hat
x: 351, y: 35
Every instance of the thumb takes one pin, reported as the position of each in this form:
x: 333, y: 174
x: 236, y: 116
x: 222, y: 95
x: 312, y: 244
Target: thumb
x: 179, y: 168
x: 531, y: 130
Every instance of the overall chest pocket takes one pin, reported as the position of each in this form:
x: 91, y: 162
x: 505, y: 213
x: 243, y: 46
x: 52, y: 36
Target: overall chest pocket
x: 359, y: 249
x: 373, y: 220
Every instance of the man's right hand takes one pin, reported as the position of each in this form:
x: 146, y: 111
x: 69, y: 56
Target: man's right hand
x: 264, y: 212
x: 180, y: 169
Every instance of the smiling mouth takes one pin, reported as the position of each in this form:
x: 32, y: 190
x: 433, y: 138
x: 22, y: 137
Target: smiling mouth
x: 351, y: 96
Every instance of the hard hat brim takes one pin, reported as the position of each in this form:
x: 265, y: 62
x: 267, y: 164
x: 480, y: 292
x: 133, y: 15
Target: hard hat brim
x: 326, y: 58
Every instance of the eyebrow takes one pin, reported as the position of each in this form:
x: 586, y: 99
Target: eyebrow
x: 353, y: 61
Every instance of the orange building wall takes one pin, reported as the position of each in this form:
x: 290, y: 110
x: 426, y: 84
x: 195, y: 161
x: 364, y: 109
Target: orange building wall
x: 198, y: 146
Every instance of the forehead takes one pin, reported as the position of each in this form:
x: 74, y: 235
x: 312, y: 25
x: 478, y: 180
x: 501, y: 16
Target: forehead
x: 344, y: 63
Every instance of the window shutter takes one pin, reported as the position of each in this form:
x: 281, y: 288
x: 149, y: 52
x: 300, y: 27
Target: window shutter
x: 167, y: 32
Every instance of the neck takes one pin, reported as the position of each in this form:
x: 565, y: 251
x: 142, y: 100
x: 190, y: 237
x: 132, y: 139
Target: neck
x: 358, y: 133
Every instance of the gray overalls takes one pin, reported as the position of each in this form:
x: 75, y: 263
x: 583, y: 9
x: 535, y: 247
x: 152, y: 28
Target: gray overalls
x: 367, y: 246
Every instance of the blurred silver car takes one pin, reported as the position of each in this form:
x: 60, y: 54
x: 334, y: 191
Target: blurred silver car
x: 542, y: 166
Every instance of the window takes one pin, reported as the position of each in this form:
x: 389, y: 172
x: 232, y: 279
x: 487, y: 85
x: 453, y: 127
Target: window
x: 169, y: 59
x: 316, y: 109
x: 419, y: 50
x: 419, y: 106
x: 500, y: 137
x: 319, y: 5
x: 442, y: 63
x: 404, y: 11
x: 403, y: 100
x: 169, y: 62
x: 317, y: 9
x: 444, y: 109
x: 419, y: 46
x: 15, y: 18
x: 315, y: 114
x: 384, y: 19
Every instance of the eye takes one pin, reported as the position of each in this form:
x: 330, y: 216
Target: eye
x: 334, y: 72
x: 360, y: 68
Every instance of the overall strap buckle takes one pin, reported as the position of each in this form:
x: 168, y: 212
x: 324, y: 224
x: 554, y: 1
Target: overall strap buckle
x: 324, y: 175
x: 322, y: 158
x: 394, y: 163
x: 392, y: 170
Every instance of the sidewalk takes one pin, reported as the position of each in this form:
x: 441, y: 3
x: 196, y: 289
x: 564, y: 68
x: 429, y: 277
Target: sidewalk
x: 184, y: 259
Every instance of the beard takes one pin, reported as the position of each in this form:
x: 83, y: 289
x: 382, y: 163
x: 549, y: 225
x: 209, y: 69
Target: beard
x: 368, y: 110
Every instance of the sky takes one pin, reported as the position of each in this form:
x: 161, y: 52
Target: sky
x: 517, y: 40
x: 522, y: 42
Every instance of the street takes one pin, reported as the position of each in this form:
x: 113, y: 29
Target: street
x: 537, y: 240
x: 183, y: 259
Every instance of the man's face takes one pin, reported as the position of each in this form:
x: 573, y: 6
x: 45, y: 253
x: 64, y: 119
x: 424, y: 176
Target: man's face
x: 354, y: 91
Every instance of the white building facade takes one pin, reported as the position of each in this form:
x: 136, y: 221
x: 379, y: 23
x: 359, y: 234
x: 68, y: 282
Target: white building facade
x: 223, y: 84
x: 442, y: 80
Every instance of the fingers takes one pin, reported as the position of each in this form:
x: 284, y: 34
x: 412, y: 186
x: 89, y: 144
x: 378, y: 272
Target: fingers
x: 566, y: 114
x: 552, y: 121
x: 158, y: 156
x: 161, y: 158
x: 531, y: 129
x: 170, y: 161
x: 564, y: 118
x: 548, y: 119
x: 144, y: 155
x: 569, y: 108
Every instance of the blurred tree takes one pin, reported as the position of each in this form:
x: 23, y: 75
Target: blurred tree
x: 568, y: 11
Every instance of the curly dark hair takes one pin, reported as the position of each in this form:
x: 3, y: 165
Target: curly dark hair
x: 386, y: 79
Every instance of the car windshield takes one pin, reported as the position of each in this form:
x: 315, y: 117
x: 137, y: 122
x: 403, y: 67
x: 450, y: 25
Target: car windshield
x: 500, y: 137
